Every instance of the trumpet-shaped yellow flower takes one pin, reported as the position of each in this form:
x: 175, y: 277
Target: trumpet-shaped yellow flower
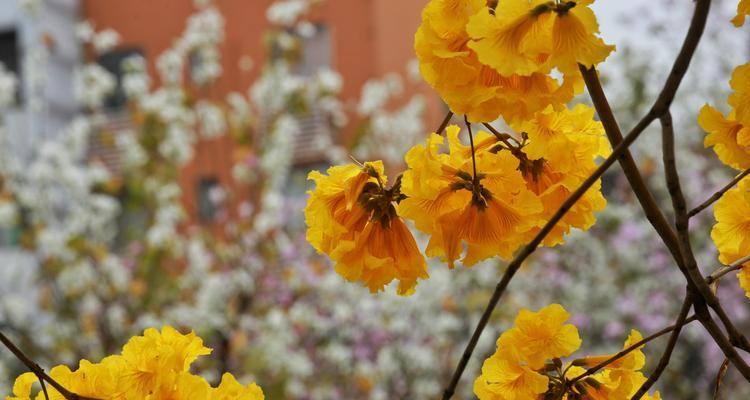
x: 523, y: 37
x: 351, y: 217
x: 492, y: 213
x: 608, y: 385
x: 729, y: 138
x: 469, y: 87
x: 230, y: 389
x: 743, y: 10
x: 730, y: 135
x: 740, y: 97
x: 154, y: 366
x: 562, y: 148
x: 505, y: 377
x: 528, y: 365
x: 634, y: 361
x: 731, y: 234
x: 541, y: 336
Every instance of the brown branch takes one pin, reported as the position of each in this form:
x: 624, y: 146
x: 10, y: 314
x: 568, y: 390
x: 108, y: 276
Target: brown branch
x: 678, y: 244
x: 729, y: 351
x: 596, y: 368
x: 667, y: 354
x: 673, y: 185
x: 682, y: 223
x: 716, y: 196
x: 720, y: 377
x: 735, y: 266
x: 39, y: 371
x: 503, y: 137
x: 445, y: 123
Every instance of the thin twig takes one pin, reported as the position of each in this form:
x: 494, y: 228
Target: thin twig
x: 473, y: 151
x: 716, y: 196
x: 445, y: 123
x: 501, y: 137
x: 39, y: 371
x: 735, y: 266
x: 44, y: 387
x: 720, y: 377
x: 667, y: 354
x: 673, y: 185
x: 635, y: 346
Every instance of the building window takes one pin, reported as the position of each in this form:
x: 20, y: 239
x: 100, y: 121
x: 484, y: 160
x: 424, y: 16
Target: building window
x: 209, y: 198
x: 112, y: 61
x: 316, y: 51
x: 9, y: 55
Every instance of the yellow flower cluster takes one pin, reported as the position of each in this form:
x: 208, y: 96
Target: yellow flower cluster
x: 519, y: 184
x: 527, y: 364
x: 351, y: 216
x: 487, y: 62
x: 489, y: 196
x: 732, y: 230
x: 154, y: 366
x: 730, y: 137
x: 516, y: 190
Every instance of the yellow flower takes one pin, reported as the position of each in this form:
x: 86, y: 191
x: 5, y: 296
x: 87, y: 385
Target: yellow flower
x: 527, y: 363
x: 332, y: 210
x: 609, y: 385
x: 561, y: 150
x: 505, y: 377
x: 620, y: 379
x: 383, y: 251
x: 153, y: 367
x: 740, y: 97
x: 156, y: 358
x: 493, y: 214
x: 744, y: 277
x: 469, y: 87
x: 635, y: 360
x: 743, y: 9
x: 731, y: 234
x: 541, y: 336
x: 351, y: 217
x: 230, y: 389
x: 730, y: 135
x: 22, y: 386
x: 523, y: 37
x: 513, y: 97
x: 729, y: 138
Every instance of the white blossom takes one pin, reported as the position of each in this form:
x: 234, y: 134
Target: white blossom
x: 8, y: 87
x: 105, y: 40
x: 93, y: 84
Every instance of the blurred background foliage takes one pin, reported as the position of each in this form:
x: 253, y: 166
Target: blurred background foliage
x: 167, y: 187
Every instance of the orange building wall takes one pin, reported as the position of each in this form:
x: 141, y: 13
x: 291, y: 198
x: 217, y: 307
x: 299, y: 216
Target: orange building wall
x: 369, y: 39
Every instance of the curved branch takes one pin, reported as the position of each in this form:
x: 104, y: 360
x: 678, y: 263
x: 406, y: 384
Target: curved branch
x: 716, y: 196
x: 39, y: 371
x: 445, y: 123
x: 735, y: 266
x: 635, y: 346
x: 667, y: 354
